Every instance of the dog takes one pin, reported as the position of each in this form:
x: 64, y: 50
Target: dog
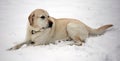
x: 43, y: 29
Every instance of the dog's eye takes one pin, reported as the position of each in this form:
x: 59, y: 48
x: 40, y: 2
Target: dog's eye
x: 42, y: 17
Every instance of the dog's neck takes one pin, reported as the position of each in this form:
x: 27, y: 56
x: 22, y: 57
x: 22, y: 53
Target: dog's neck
x: 44, y: 28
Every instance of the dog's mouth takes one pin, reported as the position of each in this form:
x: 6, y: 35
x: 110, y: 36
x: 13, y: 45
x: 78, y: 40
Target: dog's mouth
x: 50, y: 24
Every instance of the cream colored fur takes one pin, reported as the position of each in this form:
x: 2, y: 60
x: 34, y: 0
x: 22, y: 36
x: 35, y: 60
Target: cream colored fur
x: 61, y: 29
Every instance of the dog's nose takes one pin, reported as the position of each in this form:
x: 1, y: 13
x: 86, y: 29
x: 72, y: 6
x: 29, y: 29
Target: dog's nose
x: 32, y: 42
x: 50, y: 23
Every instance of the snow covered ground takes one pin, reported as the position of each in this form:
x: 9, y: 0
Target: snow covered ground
x: 14, y: 16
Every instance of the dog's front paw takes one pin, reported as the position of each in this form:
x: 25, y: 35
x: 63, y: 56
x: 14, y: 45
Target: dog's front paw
x: 76, y: 43
x: 14, y: 48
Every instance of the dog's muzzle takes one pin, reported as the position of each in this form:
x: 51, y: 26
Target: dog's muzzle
x: 50, y: 24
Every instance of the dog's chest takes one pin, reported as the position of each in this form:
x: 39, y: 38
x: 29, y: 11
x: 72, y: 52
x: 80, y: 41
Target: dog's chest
x: 41, y: 37
x: 47, y: 37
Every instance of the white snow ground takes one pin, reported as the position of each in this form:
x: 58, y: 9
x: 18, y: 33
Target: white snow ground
x: 13, y: 19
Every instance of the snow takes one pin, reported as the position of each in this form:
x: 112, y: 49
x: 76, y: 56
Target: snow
x: 14, y: 17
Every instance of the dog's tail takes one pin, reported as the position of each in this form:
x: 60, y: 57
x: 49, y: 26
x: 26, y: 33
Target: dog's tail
x: 99, y: 30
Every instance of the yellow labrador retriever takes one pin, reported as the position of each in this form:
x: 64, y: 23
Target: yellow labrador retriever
x: 44, y: 29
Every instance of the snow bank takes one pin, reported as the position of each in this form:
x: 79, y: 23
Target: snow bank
x: 13, y: 19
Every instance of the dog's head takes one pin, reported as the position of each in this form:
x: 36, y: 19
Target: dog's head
x: 40, y: 18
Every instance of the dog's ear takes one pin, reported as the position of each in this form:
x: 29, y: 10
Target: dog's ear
x: 31, y: 19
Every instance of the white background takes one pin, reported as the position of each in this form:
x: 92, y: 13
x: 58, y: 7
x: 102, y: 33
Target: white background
x: 14, y: 17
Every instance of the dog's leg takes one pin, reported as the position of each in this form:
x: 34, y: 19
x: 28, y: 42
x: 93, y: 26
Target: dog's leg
x: 77, y: 41
x: 18, y: 46
x: 77, y: 32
